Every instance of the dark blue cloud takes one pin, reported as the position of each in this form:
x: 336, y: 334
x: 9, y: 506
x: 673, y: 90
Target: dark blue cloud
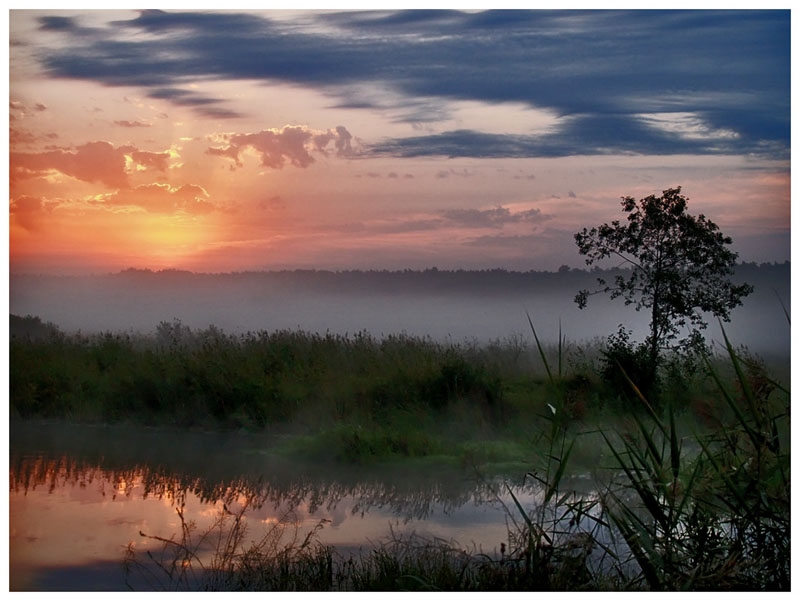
x: 58, y: 24
x: 581, y: 135
x: 222, y: 23
x: 600, y: 68
x: 201, y: 104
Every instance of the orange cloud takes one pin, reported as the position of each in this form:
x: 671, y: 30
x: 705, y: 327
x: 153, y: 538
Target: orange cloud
x: 92, y: 162
x: 26, y: 210
x: 163, y: 198
x: 156, y: 160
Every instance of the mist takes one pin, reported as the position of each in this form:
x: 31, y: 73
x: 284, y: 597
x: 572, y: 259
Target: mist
x: 447, y: 306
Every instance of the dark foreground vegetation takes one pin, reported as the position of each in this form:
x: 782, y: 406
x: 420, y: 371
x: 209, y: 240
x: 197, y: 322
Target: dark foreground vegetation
x: 696, y: 497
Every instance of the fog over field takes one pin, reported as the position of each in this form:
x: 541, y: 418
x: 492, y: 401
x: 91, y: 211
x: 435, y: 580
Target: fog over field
x: 444, y: 305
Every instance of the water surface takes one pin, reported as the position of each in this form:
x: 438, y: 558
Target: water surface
x: 79, y: 495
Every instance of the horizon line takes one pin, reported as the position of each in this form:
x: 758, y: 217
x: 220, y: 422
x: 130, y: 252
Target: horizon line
x: 401, y: 271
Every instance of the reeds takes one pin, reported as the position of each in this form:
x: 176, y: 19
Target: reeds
x: 713, y: 520
x: 223, y: 557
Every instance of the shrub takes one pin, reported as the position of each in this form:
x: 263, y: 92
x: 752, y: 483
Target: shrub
x: 622, y: 357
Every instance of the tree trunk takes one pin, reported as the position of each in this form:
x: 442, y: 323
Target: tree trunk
x: 652, y: 366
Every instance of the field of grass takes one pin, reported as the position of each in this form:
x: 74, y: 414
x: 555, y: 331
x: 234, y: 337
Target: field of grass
x: 699, y: 495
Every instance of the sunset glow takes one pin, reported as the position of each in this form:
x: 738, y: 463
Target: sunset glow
x: 217, y: 141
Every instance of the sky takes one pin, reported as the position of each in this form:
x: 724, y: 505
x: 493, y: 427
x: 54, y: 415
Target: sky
x: 222, y: 141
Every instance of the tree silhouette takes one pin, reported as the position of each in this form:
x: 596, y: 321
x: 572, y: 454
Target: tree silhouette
x: 680, y: 267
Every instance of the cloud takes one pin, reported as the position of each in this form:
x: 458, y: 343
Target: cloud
x: 341, y: 139
x: 731, y: 69
x: 162, y: 198
x: 204, y: 105
x: 273, y: 203
x: 26, y: 211
x: 292, y: 144
x: 16, y: 105
x: 126, y: 123
x: 398, y: 226
x: 494, y: 218
x: 156, y: 160
x: 91, y: 162
x: 468, y: 143
x: 412, y: 225
x: 390, y: 175
x: 504, y: 240
x: 445, y: 173
x: 20, y: 136
x: 576, y: 135
x: 213, y: 112
x: 181, y: 97
x: 58, y: 24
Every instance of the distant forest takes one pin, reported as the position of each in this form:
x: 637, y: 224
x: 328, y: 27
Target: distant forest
x: 429, y: 281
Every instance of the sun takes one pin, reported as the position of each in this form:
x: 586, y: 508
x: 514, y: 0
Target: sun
x: 172, y: 240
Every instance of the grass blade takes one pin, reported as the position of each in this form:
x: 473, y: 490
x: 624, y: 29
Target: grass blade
x: 674, y: 447
x: 651, y: 444
x: 641, y: 397
x: 522, y: 512
x: 559, y: 348
x: 640, y: 486
x: 553, y: 485
x: 743, y: 381
x: 785, y: 312
x: 541, y: 354
x: 633, y: 539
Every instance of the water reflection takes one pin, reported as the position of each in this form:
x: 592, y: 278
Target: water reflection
x: 218, y: 466
x: 410, y: 496
x: 81, y: 494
